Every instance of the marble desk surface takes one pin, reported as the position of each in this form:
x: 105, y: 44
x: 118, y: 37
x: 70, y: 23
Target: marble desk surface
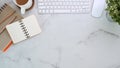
x: 67, y: 41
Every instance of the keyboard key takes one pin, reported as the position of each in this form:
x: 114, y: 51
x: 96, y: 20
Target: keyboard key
x: 61, y: 11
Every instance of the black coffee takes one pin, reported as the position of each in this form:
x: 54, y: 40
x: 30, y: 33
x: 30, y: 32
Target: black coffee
x: 21, y: 2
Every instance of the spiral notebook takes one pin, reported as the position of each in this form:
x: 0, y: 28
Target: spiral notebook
x: 7, y: 16
x: 23, y: 29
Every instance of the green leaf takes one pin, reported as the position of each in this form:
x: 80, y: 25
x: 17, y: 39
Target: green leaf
x: 113, y: 7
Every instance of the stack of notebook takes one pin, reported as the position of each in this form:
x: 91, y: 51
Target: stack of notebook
x: 13, y: 28
x: 7, y: 16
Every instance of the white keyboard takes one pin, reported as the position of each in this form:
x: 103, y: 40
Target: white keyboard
x: 63, y: 6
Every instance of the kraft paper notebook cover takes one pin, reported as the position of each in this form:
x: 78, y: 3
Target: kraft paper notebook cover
x: 23, y: 29
x: 7, y: 15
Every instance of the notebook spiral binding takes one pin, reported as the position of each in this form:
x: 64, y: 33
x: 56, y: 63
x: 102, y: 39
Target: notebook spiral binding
x: 3, y: 7
x: 27, y: 35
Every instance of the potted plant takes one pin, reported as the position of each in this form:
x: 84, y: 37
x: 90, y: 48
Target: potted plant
x: 113, y: 9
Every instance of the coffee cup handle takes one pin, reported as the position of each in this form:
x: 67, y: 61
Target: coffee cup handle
x: 22, y: 10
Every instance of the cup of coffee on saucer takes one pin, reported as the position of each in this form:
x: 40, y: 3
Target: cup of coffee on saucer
x: 24, y: 5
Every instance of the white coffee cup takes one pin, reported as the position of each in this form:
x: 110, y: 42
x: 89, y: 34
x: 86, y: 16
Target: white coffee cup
x: 25, y: 6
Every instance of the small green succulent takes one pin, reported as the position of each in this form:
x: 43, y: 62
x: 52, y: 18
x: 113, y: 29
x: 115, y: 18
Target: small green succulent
x: 113, y: 8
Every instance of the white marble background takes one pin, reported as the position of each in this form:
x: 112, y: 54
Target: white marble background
x: 67, y: 41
